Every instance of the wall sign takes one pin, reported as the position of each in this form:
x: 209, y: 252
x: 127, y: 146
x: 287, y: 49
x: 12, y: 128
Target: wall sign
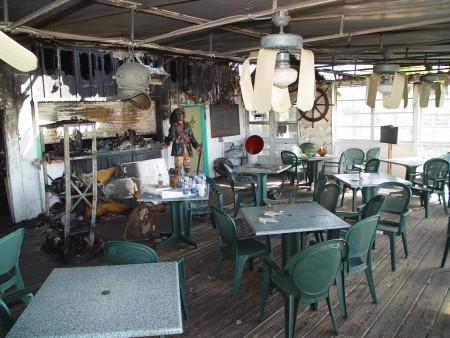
x: 224, y: 120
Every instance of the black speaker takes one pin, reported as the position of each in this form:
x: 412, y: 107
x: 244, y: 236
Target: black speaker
x: 389, y: 134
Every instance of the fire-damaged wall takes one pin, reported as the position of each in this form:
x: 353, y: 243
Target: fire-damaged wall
x: 72, y: 80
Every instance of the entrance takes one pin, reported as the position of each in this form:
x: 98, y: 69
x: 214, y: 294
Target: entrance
x: 195, y: 115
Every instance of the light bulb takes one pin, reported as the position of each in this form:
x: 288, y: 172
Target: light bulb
x: 384, y: 88
x: 283, y: 77
x: 385, y: 85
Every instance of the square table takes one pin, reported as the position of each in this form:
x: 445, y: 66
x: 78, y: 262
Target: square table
x: 105, y: 301
x: 367, y: 184
x: 177, y: 215
x: 313, y: 165
x: 295, y: 219
x: 261, y: 171
x: 410, y: 163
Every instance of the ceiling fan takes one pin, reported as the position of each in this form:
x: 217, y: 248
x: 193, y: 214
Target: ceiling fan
x: 274, y: 74
x: 437, y: 82
x: 387, y: 79
x: 16, y: 55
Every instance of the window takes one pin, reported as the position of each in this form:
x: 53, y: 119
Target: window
x: 357, y: 121
x: 435, y: 125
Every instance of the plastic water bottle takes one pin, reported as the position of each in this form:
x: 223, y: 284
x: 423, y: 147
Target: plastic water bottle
x: 185, y: 189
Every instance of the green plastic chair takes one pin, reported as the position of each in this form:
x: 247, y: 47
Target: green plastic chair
x: 396, y: 202
x: 447, y: 245
x: 242, y: 187
x: 318, y: 188
x: 329, y: 197
x: 306, y: 279
x: 353, y: 163
x: 10, y: 277
x: 6, y: 316
x: 360, y: 237
x: 373, y: 153
x: 297, y: 171
x: 431, y: 180
x: 195, y: 208
x: 10, y: 246
x: 238, y: 249
x: 122, y: 253
x: 446, y: 157
x: 330, y: 168
x: 371, y: 208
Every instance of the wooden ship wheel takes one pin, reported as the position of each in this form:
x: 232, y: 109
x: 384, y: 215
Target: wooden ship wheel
x: 319, y: 110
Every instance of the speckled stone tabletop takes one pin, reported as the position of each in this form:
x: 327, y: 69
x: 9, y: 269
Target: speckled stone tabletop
x: 368, y: 179
x: 105, y: 301
x: 294, y: 218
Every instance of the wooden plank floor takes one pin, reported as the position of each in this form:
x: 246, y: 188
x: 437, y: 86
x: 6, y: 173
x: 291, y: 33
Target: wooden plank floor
x: 414, y: 301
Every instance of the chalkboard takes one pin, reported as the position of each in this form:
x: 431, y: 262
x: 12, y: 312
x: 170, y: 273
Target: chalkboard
x: 224, y: 120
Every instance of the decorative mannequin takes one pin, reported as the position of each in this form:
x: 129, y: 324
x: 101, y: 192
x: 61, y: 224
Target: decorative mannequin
x: 180, y: 133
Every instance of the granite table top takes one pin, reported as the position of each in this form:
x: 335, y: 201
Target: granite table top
x: 105, y: 301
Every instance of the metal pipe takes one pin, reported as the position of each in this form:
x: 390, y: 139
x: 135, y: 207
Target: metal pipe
x: 235, y: 18
x: 5, y: 11
x: 39, y: 12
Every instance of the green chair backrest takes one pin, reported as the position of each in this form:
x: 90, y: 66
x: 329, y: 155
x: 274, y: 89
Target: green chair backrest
x: 230, y: 174
x: 122, y: 252
x: 319, y: 187
x: 372, y: 165
x: 373, y: 153
x: 330, y: 196
x: 435, y: 172
x: 352, y: 157
x: 397, y: 197
x: 226, y: 229
x: 214, y: 190
x: 314, y: 269
x: 10, y: 246
x: 288, y: 157
x: 360, y: 236
x: 373, y: 206
x: 446, y: 157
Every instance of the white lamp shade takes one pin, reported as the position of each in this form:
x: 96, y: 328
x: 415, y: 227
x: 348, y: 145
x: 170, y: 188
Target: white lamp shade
x: 385, y: 88
x: 283, y: 77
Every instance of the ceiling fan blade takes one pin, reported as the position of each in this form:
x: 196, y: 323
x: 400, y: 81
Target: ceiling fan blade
x: 424, y: 92
x: 306, y: 93
x: 371, y: 89
x: 405, y: 93
x: 281, y: 101
x: 16, y: 55
x: 265, y: 67
x: 438, y: 94
x: 446, y: 83
x: 247, y: 86
x: 395, y: 97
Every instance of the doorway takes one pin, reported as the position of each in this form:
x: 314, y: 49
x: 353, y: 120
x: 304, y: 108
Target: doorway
x: 195, y: 115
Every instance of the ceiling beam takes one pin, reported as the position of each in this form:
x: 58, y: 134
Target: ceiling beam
x: 42, y: 11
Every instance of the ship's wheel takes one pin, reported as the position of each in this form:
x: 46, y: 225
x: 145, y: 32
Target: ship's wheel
x: 319, y: 110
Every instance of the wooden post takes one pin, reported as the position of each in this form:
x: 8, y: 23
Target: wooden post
x: 389, y: 168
